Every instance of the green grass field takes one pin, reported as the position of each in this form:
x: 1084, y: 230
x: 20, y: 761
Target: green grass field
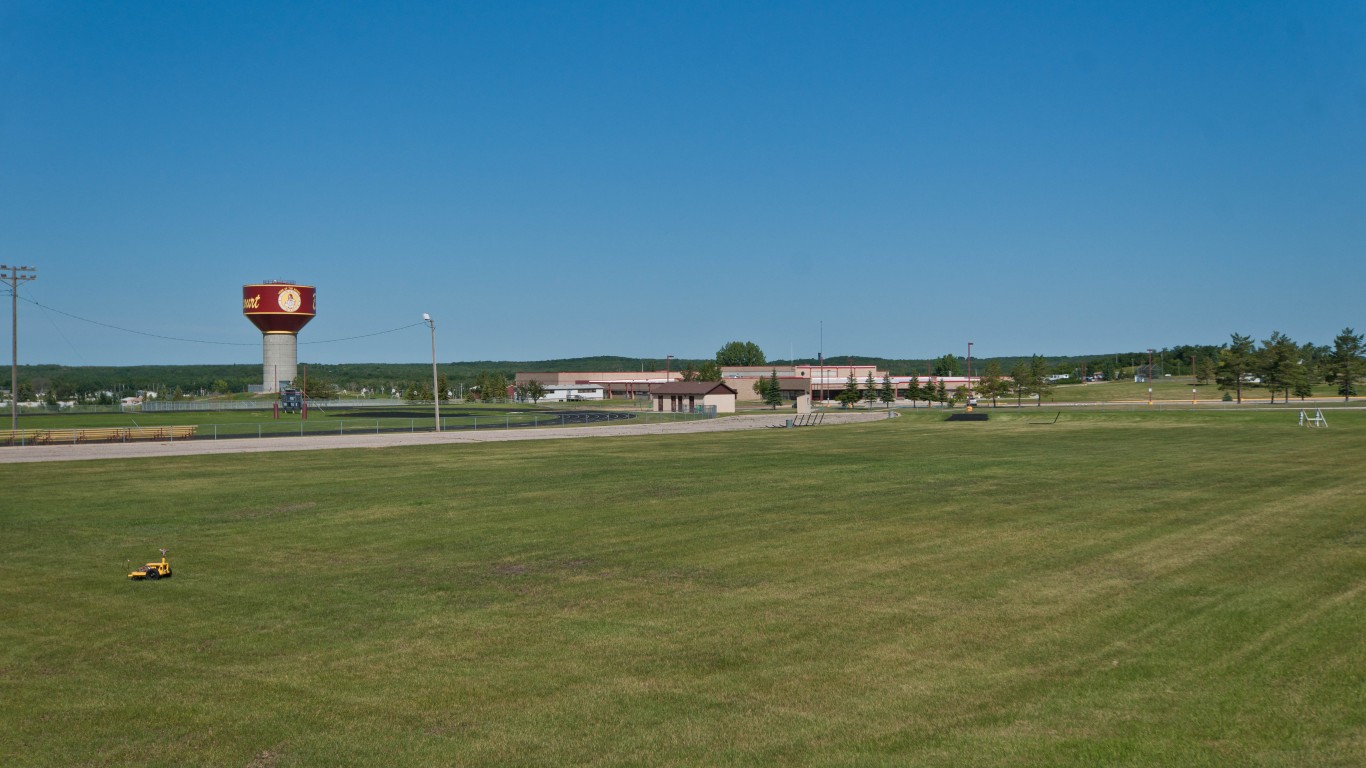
x: 1164, y: 589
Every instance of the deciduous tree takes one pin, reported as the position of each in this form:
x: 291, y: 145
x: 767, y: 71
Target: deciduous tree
x: 532, y: 390
x: 740, y: 353
x: 991, y: 384
x: 946, y: 366
x: 709, y: 371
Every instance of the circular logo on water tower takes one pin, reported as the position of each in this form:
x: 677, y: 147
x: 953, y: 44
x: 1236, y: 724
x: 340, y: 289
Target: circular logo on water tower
x: 290, y: 300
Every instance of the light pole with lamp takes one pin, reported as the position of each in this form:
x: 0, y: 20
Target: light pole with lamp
x: 436, y: 396
x: 972, y: 399
x: 1150, y: 376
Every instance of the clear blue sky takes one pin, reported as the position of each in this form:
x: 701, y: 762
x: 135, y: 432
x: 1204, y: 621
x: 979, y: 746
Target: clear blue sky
x: 563, y: 179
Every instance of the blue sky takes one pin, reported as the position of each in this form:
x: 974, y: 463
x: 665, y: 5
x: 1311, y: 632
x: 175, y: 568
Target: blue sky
x: 564, y: 179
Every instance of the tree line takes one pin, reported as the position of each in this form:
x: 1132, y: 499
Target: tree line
x: 1278, y: 364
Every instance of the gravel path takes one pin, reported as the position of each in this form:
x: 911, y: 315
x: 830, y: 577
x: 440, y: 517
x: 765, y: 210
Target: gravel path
x: 86, y: 451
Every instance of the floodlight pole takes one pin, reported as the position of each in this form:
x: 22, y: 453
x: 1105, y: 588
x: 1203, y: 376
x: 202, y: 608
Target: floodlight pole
x: 436, y: 396
x: 969, y: 366
x: 15, y: 275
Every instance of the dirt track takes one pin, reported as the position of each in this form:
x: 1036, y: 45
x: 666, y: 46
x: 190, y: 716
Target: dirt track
x: 87, y: 451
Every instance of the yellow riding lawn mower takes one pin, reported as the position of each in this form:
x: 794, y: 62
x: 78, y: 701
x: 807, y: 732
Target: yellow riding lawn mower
x: 153, y: 571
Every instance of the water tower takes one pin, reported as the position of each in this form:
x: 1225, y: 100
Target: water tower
x: 280, y: 309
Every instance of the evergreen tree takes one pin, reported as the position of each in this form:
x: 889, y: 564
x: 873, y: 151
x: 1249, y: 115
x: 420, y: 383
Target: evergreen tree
x: 927, y: 392
x: 941, y: 392
x: 1205, y: 370
x: 1309, y: 372
x: 1235, y: 364
x: 913, y: 389
x: 1346, y: 364
x: 850, y: 394
x: 1038, y: 378
x: 1019, y: 380
x: 870, y: 390
x: 1278, y: 363
x: 491, y: 385
x: 774, y: 395
x: 888, y: 392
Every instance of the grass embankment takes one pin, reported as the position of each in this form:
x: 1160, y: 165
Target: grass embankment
x: 333, y: 421
x: 1136, y: 589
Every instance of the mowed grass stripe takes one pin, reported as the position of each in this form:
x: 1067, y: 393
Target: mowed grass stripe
x: 1138, y: 589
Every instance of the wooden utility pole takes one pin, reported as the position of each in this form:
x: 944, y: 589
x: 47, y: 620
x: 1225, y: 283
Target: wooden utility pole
x: 14, y: 276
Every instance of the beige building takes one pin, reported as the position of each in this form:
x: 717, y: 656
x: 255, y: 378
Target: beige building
x: 615, y: 384
x: 691, y: 396
x: 821, y: 382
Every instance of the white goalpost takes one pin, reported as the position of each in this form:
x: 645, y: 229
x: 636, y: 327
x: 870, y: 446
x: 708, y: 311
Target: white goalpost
x: 1316, y: 420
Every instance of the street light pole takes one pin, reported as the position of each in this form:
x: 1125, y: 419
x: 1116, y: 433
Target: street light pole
x: 15, y: 275
x: 1150, y: 376
x: 969, y: 366
x: 436, y: 396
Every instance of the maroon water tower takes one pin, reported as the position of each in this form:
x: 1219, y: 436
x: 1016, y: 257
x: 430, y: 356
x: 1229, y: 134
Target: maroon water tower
x: 280, y: 309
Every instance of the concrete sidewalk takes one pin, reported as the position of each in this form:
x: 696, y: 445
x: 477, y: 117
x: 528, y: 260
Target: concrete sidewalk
x: 89, y: 451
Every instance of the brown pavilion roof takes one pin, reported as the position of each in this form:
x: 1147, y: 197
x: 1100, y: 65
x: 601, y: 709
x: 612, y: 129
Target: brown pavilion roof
x: 692, y: 388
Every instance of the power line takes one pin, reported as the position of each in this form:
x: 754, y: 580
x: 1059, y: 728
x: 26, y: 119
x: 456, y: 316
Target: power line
x: 364, y: 335
x: 15, y: 275
x: 204, y: 341
x: 130, y: 330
